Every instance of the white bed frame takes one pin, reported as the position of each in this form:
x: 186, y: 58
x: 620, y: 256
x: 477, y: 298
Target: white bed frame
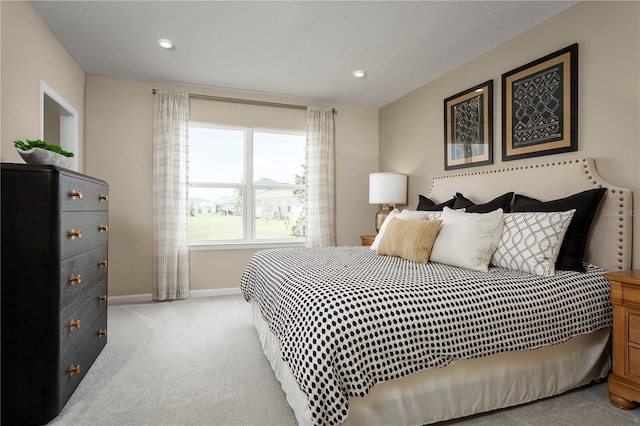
x: 478, y: 385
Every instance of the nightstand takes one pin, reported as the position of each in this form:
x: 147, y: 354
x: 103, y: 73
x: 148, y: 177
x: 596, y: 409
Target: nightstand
x: 367, y: 240
x: 624, y: 381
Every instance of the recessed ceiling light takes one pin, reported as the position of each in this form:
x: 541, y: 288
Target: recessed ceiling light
x: 359, y: 74
x: 165, y: 43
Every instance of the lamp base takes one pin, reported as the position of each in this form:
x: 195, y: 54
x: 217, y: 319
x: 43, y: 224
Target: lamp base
x: 382, y: 214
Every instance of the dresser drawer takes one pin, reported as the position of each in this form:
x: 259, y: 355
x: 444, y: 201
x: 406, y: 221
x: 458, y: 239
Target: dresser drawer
x: 634, y: 361
x: 634, y: 328
x: 83, y: 231
x: 84, y: 309
x: 90, y: 268
x: 630, y: 294
x: 82, y: 195
x: 83, y: 355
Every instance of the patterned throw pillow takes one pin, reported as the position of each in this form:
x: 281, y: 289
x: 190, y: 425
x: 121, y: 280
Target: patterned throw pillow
x: 585, y: 203
x: 531, y: 241
x: 409, y: 239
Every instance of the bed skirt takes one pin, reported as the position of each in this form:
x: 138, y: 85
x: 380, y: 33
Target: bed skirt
x: 462, y: 388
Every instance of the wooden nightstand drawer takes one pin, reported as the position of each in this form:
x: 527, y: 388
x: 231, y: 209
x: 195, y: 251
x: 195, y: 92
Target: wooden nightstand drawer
x: 634, y: 361
x: 634, y: 328
x: 631, y: 294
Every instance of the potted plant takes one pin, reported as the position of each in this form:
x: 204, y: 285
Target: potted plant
x: 40, y: 152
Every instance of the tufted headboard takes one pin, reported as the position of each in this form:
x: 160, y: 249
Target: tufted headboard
x: 610, y: 237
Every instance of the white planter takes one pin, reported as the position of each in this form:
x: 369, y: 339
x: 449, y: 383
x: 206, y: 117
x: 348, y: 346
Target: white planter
x: 44, y: 156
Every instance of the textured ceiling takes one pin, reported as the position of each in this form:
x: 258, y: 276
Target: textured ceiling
x: 304, y: 49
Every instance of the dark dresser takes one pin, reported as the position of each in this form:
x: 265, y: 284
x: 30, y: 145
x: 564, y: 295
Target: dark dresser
x: 54, y: 231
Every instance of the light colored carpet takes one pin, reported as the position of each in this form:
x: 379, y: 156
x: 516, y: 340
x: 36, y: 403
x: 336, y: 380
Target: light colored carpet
x: 199, y: 362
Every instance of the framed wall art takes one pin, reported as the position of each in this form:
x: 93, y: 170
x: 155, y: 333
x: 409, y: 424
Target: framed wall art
x: 468, y: 127
x: 540, y: 106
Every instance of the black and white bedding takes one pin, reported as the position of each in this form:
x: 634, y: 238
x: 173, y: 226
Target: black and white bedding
x: 348, y: 319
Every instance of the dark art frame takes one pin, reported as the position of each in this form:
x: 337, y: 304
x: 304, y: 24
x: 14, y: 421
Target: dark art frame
x: 468, y: 127
x: 540, y: 106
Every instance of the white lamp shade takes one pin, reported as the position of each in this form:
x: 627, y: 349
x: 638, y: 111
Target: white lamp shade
x: 387, y: 188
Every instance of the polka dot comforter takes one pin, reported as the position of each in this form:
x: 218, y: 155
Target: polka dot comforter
x: 348, y: 319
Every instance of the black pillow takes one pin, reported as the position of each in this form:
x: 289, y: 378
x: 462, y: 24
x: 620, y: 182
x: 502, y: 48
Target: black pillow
x: 426, y: 204
x: 575, y: 240
x: 502, y: 202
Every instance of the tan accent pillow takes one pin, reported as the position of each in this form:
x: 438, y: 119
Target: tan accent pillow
x: 409, y: 239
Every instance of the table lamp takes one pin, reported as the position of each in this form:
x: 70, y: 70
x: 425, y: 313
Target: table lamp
x: 386, y: 189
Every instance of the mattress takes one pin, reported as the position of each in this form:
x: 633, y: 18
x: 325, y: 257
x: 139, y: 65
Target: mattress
x: 464, y: 387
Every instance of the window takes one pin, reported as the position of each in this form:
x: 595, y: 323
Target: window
x: 246, y: 185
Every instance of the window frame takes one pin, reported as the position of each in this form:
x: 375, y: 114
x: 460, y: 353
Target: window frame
x: 248, y: 187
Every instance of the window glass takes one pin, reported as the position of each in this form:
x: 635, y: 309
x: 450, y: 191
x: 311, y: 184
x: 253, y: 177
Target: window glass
x: 216, y: 155
x: 215, y: 214
x: 246, y: 185
x: 279, y: 213
x: 278, y: 157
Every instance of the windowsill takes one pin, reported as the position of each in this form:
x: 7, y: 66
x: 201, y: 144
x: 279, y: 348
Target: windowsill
x: 236, y: 245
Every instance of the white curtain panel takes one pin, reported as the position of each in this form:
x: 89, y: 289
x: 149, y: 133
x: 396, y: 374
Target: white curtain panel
x: 320, y: 229
x: 170, y: 180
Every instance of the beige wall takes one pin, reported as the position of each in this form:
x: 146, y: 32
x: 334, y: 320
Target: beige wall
x: 608, y: 34
x: 410, y: 130
x: 31, y: 53
x: 118, y: 149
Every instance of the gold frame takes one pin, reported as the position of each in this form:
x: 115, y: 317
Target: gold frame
x: 556, y: 136
x: 459, y: 153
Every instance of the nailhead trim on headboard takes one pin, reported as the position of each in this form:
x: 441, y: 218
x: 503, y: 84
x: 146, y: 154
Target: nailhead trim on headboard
x: 612, y: 244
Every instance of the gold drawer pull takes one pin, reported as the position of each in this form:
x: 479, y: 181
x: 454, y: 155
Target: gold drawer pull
x: 103, y: 197
x: 74, y: 369
x: 104, y: 228
x: 73, y: 279
x: 75, y: 234
x: 76, y: 194
x: 102, y: 333
x: 74, y: 324
x: 102, y: 263
x: 102, y: 298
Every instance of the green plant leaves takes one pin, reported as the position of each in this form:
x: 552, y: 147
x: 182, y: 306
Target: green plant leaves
x: 43, y: 145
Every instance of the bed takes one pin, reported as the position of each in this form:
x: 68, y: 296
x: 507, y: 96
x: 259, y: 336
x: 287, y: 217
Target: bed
x: 339, y: 357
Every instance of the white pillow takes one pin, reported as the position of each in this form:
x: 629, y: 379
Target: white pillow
x: 404, y: 215
x: 407, y: 214
x: 531, y: 241
x: 467, y: 240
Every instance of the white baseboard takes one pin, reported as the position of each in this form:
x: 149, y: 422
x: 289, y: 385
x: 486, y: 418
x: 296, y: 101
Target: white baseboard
x: 146, y: 298
x: 130, y: 299
x: 215, y: 292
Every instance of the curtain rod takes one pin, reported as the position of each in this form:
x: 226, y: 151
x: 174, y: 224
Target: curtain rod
x: 247, y: 101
